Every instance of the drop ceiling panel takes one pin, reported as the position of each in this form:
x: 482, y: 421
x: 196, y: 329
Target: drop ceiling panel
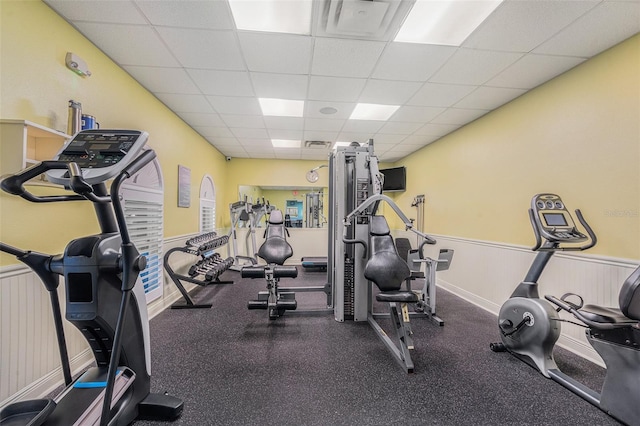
x: 440, y: 95
x: 285, y: 134
x: 606, y: 25
x: 248, y: 121
x: 115, y: 41
x: 234, y: 105
x: 335, y: 88
x: 396, y: 127
x: 185, y: 103
x: 469, y: 66
x: 276, y: 53
x: 489, y: 97
x: 163, y: 80
x: 206, y: 49
x: 520, y: 26
x: 368, y: 126
x: 286, y: 123
x: 344, y: 109
x: 320, y: 135
x: 250, y: 133
x: 226, y: 83
x: 388, y: 139
x: 459, y: 116
x: 187, y: 14
x: 323, y: 124
x: 416, y: 114
x: 411, y: 61
x: 225, y: 142
x: 533, y: 70
x: 388, y: 92
x: 199, y: 119
x: 345, y: 58
x: 98, y: 11
x: 435, y: 129
x: 281, y: 86
x: 214, y: 132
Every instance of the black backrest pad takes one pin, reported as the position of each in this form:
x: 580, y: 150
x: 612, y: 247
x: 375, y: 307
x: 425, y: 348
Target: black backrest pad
x: 275, y: 248
x: 385, y: 267
x: 629, y: 298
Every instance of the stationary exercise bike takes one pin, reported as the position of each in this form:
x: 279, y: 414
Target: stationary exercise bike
x: 102, y: 299
x: 530, y: 326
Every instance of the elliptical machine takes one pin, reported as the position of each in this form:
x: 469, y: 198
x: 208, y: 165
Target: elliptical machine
x: 102, y: 298
x: 530, y: 326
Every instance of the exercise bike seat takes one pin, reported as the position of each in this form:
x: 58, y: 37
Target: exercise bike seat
x: 275, y: 249
x: 385, y: 267
x: 605, y: 315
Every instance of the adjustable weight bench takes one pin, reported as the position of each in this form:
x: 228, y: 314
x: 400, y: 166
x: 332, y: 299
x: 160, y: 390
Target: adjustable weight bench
x: 275, y: 251
x: 387, y: 270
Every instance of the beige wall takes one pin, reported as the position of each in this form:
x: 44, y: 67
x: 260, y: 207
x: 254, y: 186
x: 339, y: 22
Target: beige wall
x: 578, y: 136
x: 36, y: 86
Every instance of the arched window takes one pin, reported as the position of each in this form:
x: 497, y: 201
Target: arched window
x: 143, y: 197
x: 207, y: 205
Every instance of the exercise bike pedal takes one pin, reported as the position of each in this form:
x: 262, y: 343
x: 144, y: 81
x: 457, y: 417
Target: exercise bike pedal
x: 258, y: 304
x: 497, y: 347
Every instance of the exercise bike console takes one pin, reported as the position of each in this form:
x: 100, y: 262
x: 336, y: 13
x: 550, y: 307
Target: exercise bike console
x: 553, y: 222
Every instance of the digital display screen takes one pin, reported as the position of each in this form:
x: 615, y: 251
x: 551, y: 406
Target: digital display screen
x: 555, y: 219
x: 99, y: 146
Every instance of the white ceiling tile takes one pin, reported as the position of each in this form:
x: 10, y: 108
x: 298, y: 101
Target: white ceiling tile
x: 388, y: 92
x: 345, y: 58
x: 250, y: 133
x: 440, y: 95
x: 413, y: 140
x: 248, y: 121
x: 287, y: 123
x: 188, y: 14
x: 438, y: 130
x: 416, y: 114
x: 195, y: 119
x: 323, y: 124
x: 459, y: 116
x: 312, y: 109
x: 606, y: 25
x: 367, y: 126
x: 489, y: 97
x: 411, y: 61
x: 213, y: 132
x: 163, y: 80
x: 388, y: 138
x: 212, y: 49
x: 533, y: 70
x: 224, y: 142
x: 276, y: 53
x: 237, y: 152
x: 397, y: 127
x: 360, y: 137
x: 259, y: 143
x: 520, y: 26
x: 473, y: 67
x: 285, y: 134
x: 235, y: 105
x: 335, y: 88
x: 280, y: 86
x: 185, y: 103
x: 320, y: 135
x: 225, y: 83
x: 98, y: 11
x: 115, y: 41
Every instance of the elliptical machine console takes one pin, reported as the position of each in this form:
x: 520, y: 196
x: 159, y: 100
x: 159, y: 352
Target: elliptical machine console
x: 102, y: 299
x: 530, y: 326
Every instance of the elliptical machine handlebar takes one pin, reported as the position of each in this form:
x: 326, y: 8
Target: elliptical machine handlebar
x: 14, y: 184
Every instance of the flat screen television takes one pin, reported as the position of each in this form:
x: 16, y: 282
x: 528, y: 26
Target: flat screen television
x: 395, y: 179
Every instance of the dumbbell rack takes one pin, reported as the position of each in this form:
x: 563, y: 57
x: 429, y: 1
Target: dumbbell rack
x: 205, y: 271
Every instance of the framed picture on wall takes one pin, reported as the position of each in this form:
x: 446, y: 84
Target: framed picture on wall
x: 184, y: 186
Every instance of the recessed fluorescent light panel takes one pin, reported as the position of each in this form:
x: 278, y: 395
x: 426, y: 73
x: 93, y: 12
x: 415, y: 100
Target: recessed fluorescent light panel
x: 373, y: 112
x: 279, y: 16
x: 281, y: 107
x: 285, y: 143
x: 447, y: 22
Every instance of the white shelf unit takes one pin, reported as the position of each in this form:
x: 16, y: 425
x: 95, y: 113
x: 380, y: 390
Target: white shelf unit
x: 24, y: 143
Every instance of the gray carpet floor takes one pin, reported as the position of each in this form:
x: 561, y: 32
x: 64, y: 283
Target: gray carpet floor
x: 232, y: 366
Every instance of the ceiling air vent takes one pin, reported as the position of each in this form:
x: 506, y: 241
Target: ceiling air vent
x: 317, y: 144
x: 362, y: 19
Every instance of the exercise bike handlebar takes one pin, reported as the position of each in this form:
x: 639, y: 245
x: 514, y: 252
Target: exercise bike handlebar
x: 554, y: 246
